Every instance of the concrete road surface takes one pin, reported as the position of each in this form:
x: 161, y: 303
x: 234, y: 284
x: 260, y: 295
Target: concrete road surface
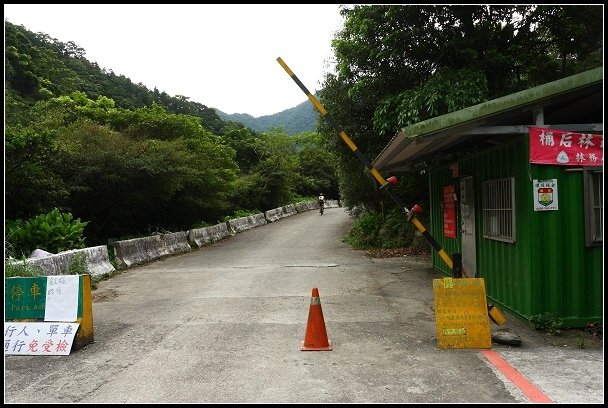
x: 224, y: 324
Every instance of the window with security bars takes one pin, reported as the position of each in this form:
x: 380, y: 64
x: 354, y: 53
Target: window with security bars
x: 593, y: 186
x: 499, y: 209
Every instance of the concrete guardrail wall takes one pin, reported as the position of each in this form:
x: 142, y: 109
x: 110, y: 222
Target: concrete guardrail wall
x: 96, y: 261
x: 202, y: 236
x: 245, y: 223
x: 306, y: 206
x: 332, y: 204
x: 142, y: 250
x: 147, y: 249
x: 274, y: 215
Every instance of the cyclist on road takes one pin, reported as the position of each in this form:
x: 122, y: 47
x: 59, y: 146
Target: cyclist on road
x: 321, y: 203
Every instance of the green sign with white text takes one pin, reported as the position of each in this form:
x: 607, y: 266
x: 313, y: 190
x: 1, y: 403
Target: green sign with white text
x: 25, y: 297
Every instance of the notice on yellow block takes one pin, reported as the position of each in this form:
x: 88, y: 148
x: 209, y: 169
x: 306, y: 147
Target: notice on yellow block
x: 461, y: 313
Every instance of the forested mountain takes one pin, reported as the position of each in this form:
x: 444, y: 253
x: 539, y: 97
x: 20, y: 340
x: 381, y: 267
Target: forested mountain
x: 301, y: 118
x: 129, y: 161
x: 39, y: 67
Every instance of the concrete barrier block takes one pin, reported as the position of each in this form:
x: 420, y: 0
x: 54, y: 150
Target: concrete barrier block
x: 142, y: 250
x: 96, y: 261
x: 174, y: 243
x: 332, y: 204
x: 202, y: 236
x: 273, y: 215
x: 259, y: 219
x: 136, y: 251
x: 303, y: 206
x: 245, y: 223
x: 240, y: 224
x: 289, y: 210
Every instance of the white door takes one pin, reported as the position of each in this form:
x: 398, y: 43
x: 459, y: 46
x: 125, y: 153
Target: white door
x: 467, y: 223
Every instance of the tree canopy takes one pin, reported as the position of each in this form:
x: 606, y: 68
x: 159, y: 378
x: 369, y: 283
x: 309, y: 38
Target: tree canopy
x: 401, y: 64
x: 130, y: 161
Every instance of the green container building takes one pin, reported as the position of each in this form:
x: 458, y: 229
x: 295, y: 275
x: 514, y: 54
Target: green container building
x: 533, y: 230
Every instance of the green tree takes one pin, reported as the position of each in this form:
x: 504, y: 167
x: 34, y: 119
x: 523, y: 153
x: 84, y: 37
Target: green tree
x: 125, y: 171
x: 400, y: 64
x: 276, y: 169
x: 317, y: 167
x: 243, y: 141
x: 31, y: 186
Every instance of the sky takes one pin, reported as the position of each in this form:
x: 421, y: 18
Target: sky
x: 222, y: 56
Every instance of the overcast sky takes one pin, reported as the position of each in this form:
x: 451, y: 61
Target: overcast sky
x: 223, y: 56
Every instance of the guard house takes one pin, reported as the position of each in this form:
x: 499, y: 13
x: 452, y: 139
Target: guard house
x: 516, y: 188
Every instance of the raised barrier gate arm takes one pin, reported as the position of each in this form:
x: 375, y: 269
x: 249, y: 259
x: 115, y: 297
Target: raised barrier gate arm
x: 493, y: 312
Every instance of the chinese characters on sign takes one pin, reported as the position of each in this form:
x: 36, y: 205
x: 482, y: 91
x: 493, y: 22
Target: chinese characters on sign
x: 62, y: 298
x: 560, y: 147
x: 545, y: 195
x: 24, y: 297
x: 449, y: 212
x: 39, y: 338
x: 461, y: 313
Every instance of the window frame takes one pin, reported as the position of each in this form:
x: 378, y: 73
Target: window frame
x: 487, y: 212
x: 591, y: 203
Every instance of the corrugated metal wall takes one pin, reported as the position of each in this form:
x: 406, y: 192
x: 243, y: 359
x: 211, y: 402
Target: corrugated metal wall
x: 548, y: 268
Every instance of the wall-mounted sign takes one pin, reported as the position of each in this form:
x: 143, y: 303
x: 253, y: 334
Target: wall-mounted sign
x: 560, y: 147
x: 545, y: 195
x: 449, y: 211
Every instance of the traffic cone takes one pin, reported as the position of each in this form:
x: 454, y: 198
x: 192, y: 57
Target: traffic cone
x: 315, y: 338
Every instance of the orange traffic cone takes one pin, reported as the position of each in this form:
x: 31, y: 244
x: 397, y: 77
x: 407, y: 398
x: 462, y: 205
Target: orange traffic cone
x: 315, y: 338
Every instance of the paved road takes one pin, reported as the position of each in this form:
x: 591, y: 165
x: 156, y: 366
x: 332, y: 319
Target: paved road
x: 224, y: 324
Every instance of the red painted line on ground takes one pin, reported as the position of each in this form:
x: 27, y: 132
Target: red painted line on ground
x: 529, y: 389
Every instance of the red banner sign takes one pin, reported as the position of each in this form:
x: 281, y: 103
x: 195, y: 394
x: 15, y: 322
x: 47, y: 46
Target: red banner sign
x: 449, y: 212
x: 560, y: 147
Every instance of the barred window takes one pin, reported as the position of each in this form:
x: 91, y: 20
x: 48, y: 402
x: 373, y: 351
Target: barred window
x: 499, y: 209
x: 593, y: 182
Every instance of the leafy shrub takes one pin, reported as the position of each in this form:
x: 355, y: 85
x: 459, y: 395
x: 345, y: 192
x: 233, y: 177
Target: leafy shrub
x: 53, y: 232
x: 396, y: 231
x: 420, y: 244
x: 547, y: 322
x: 20, y: 268
x: 372, y: 230
x: 240, y: 214
x: 199, y: 224
x: 78, y: 265
x: 364, y: 232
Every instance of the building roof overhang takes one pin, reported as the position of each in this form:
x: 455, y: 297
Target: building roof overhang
x: 573, y: 103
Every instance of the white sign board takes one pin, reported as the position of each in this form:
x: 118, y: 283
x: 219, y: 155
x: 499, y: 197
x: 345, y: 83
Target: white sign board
x: 545, y: 195
x: 39, y: 338
x: 62, y: 298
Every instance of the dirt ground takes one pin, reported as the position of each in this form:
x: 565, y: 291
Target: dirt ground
x: 566, y: 338
x: 575, y: 338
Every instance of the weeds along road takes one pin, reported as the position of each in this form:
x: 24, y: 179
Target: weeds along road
x: 224, y: 324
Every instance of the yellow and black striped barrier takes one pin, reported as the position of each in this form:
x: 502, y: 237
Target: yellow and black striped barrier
x: 493, y: 311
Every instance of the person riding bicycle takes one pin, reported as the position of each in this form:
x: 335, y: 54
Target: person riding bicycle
x: 321, y: 202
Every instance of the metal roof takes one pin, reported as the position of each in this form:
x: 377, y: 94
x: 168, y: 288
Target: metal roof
x: 573, y: 103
